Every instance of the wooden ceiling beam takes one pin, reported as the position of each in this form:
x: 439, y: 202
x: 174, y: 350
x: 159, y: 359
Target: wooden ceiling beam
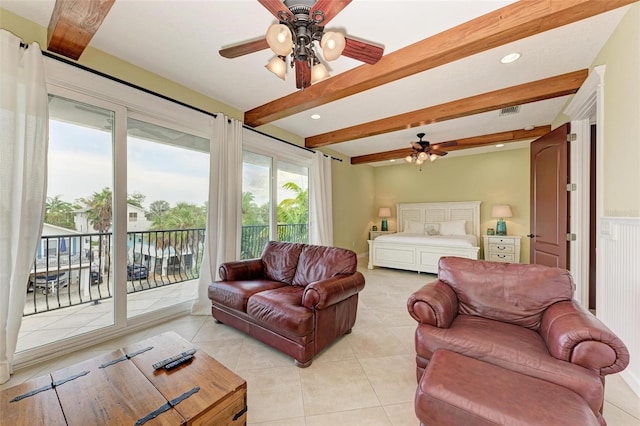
x: 548, y: 88
x: 510, y: 23
x: 473, y: 142
x: 73, y: 24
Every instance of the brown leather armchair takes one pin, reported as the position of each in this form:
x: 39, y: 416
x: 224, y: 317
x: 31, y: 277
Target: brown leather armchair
x: 297, y: 298
x: 519, y: 317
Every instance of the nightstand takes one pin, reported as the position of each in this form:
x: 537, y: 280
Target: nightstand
x: 375, y: 234
x: 502, y: 248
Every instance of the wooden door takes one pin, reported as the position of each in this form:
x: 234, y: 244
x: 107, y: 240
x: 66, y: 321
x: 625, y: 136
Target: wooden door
x: 549, y: 199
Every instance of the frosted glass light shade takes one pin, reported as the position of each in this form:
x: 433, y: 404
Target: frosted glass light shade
x: 422, y: 156
x: 332, y: 44
x: 408, y: 159
x: 279, y: 39
x: 277, y: 66
x: 318, y: 72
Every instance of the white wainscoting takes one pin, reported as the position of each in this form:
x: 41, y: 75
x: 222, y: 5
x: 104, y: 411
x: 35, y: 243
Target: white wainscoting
x: 618, y: 295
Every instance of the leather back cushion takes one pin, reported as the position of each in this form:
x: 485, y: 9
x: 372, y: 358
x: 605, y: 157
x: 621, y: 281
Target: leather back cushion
x: 319, y: 263
x: 280, y: 260
x: 507, y: 292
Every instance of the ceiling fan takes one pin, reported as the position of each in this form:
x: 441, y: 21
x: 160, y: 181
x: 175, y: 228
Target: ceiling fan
x: 424, y: 149
x: 301, y: 23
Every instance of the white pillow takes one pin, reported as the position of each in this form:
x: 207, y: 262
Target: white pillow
x: 453, y: 227
x: 413, y: 227
x: 432, y: 228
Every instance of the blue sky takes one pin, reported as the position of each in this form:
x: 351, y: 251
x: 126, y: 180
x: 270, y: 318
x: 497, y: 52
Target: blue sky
x: 80, y: 163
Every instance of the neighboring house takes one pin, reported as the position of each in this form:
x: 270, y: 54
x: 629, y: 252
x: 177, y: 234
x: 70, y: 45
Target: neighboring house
x: 57, y: 240
x: 136, y: 220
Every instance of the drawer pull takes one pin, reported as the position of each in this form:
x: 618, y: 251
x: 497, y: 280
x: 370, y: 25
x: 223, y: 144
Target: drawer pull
x: 501, y: 256
x: 501, y: 247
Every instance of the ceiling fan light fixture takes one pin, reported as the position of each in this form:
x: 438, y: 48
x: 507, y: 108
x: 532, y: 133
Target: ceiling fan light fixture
x: 433, y: 157
x: 422, y: 156
x: 278, y: 66
x: 318, y: 72
x: 419, y: 162
x: 332, y: 44
x: 279, y: 39
x: 408, y: 159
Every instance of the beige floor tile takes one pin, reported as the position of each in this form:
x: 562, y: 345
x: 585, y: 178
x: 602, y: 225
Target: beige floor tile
x: 336, y: 386
x: 273, y: 393
x: 226, y: 351
x: 618, y: 392
x: 210, y: 331
x: 375, y: 342
x: 393, y: 378
x: 617, y: 417
x: 402, y: 414
x: 296, y: 421
x: 255, y: 354
x: 365, y: 416
x: 340, y: 350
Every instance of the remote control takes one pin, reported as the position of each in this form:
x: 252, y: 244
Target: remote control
x: 161, y: 364
x: 178, y: 362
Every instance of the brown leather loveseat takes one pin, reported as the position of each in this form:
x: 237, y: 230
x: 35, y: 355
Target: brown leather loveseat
x: 518, y: 317
x: 297, y: 298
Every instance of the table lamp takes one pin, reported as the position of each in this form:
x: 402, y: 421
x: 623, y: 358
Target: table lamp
x: 384, y: 213
x: 500, y: 212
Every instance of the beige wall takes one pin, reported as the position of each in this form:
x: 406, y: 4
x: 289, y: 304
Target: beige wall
x: 621, y: 55
x: 496, y: 178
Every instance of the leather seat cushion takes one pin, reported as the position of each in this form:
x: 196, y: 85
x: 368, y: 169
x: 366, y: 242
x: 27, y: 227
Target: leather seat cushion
x: 280, y: 260
x: 281, y: 310
x: 507, y: 292
x: 509, y: 346
x: 234, y: 294
x: 321, y: 262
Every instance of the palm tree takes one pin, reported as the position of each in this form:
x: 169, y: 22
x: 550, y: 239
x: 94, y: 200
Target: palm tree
x: 59, y: 212
x: 294, y: 211
x: 100, y: 209
x: 156, y: 213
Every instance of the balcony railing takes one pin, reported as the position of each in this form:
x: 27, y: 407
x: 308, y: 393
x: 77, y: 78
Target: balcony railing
x: 254, y: 237
x: 76, y: 269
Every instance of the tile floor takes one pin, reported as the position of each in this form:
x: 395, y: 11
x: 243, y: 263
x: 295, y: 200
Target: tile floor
x: 365, y: 378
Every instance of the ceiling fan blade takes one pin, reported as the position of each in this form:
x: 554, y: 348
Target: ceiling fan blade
x: 303, y: 74
x: 438, y: 152
x: 362, y: 51
x: 277, y: 8
x: 444, y: 144
x: 244, y: 48
x: 417, y: 146
x: 330, y: 8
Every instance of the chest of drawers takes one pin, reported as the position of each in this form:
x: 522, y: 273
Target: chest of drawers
x: 502, y: 248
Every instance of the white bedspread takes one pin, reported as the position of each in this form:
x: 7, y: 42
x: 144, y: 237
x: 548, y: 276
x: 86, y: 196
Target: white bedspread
x: 435, y: 240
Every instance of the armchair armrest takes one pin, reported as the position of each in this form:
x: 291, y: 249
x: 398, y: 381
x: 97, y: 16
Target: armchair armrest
x: 434, y: 304
x: 322, y: 294
x: 575, y: 335
x: 250, y: 269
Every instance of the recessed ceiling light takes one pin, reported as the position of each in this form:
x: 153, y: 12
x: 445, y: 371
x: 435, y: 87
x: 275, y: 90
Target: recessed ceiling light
x: 315, y: 117
x: 500, y: 145
x: 511, y: 57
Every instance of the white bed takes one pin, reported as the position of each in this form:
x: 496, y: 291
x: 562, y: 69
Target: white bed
x: 413, y: 249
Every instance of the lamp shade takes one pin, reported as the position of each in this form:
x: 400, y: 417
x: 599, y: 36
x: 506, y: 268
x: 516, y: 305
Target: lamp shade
x: 278, y: 66
x: 318, y: 73
x: 279, y: 39
x: 384, y: 212
x: 332, y: 44
x: 501, y: 211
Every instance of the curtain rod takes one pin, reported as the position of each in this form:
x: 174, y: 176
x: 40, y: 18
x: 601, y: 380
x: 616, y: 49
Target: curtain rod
x: 151, y: 92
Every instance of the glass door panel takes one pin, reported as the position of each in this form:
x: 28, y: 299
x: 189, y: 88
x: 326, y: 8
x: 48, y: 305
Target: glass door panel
x: 293, y: 202
x: 256, y: 204
x: 70, y: 288
x: 167, y: 189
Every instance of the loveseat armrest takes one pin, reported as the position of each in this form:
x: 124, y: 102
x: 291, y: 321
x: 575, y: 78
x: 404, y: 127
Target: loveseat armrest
x: 250, y: 269
x: 321, y: 294
x: 434, y: 304
x: 575, y: 335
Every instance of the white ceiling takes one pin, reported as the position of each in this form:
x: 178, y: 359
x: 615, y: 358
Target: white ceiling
x: 180, y: 39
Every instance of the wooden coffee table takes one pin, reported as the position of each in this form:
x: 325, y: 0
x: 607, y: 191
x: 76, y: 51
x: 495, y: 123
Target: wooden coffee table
x: 102, y: 391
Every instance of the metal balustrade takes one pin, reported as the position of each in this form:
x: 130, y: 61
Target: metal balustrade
x: 75, y: 269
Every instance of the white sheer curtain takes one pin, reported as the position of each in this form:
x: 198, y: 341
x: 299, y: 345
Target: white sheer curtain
x: 24, y: 125
x: 320, y: 206
x: 224, y: 214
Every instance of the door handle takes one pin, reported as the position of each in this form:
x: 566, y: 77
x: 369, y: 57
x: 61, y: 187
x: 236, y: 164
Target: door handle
x: 531, y: 235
